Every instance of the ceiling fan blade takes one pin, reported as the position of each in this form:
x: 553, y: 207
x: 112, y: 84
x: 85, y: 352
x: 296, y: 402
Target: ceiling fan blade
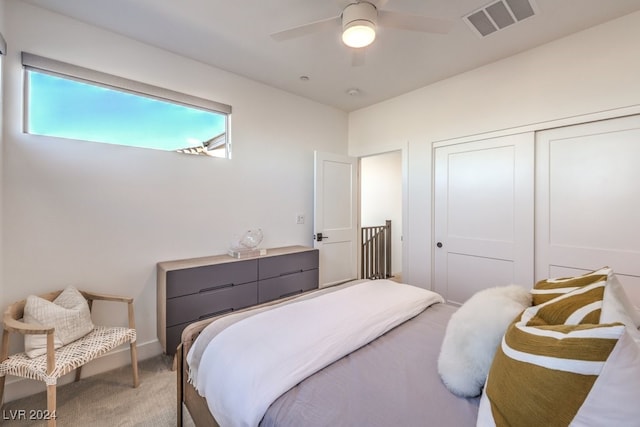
x: 358, y: 56
x: 405, y: 21
x: 306, y: 29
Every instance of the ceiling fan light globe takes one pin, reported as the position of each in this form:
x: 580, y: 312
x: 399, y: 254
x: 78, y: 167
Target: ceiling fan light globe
x: 359, y: 33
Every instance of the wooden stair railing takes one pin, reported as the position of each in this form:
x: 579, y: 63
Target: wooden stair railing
x: 376, y: 252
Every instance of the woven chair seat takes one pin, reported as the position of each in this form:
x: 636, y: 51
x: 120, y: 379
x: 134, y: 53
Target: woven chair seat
x: 68, y: 357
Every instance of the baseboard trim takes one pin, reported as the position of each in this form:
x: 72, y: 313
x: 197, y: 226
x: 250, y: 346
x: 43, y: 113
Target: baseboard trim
x: 17, y: 388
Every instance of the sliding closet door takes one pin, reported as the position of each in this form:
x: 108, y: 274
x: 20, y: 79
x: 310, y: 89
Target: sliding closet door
x: 588, y: 200
x: 483, y: 215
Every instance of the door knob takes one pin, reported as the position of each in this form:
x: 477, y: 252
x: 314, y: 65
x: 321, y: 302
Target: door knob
x: 319, y: 237
x: 439, y: 244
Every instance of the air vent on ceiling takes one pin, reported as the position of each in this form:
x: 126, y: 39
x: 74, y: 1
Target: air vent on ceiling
x: 499, y: 15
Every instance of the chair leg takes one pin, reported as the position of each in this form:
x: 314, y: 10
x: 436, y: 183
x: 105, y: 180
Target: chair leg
x: 2, y: 379
x: 134, y: 364
x: 51, y: 405
x: 4, y: 354
x: 78, y: 373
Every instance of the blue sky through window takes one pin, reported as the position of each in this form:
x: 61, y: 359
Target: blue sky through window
x: 72, y: 109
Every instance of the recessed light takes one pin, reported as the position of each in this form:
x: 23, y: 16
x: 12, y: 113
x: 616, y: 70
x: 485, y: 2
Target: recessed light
x: 304, y: 78
x: 353, y: 92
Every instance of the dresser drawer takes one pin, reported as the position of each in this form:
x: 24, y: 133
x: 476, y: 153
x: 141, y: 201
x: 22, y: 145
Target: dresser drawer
x: 207, y: 304
x: 283, y: 265
x: 283, y: 286
x: 206, y: 278
x: 174, y: 335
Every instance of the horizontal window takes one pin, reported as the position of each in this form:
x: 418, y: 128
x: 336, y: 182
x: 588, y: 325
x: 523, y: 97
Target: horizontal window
x: 63, y: 100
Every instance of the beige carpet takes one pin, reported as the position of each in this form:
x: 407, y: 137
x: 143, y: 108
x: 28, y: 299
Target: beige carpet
x: 109, y: 400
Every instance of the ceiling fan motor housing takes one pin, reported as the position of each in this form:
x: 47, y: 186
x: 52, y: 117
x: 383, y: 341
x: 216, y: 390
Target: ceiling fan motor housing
x: 361, y: 14
x: 362, y: 11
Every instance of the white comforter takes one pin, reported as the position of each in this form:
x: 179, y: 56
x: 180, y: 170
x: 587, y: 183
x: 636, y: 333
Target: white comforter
x: 252, y: 362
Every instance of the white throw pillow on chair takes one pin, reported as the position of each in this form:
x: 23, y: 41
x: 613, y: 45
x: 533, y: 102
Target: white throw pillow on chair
x: 69, y: 314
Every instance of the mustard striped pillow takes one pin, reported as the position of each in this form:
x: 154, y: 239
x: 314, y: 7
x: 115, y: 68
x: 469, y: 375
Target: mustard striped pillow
x: 560, y: 375
x: 581, y: 306
x: 557, y: 366
x: 548, y: 289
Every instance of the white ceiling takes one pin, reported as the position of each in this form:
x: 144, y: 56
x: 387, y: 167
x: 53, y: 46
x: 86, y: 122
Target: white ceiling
x: 235, y: 36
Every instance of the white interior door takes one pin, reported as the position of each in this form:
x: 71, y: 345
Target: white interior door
x: 335, y: 217
x: 588, y: 200
x: 483, y: 215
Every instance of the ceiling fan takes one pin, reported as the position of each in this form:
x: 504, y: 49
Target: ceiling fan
x: 359, y: 21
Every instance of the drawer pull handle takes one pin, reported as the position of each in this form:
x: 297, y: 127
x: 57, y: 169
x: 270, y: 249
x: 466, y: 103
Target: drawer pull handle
x: 291, y: 272
x: 217, y: 313
x: 288, y: 294
x: 213, y: 288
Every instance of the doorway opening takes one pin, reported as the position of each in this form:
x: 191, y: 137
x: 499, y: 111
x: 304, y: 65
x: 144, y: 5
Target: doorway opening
x: 381, y: 201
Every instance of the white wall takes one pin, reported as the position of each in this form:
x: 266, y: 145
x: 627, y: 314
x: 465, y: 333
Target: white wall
x: 100, y: 216
x: 588, y: 72
x: 381, y: 198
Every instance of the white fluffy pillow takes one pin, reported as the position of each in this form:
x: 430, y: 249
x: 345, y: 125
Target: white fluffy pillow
x: 473, y: 335
x: 69, y: 314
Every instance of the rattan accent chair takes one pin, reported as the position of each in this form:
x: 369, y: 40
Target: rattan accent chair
x: 56, y: 363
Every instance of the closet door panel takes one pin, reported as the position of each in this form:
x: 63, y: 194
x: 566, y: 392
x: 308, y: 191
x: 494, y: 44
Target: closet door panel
x: 483, y: 215
x: 588, y: 200
x: 468, y: 274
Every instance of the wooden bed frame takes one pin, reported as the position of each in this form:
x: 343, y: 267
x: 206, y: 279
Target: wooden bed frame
x: 187, y: 394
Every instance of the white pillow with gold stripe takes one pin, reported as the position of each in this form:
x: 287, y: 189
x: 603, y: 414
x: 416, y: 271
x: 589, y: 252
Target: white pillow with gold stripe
x: 548, y: 289
x: 563, y: 375
x: 617, y: 307
x: 581, y: 306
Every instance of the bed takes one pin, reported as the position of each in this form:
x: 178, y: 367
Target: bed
x: 391, y: 380
x: 565, y: 352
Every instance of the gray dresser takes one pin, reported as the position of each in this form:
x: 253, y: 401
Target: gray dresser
x: 198, y: 288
